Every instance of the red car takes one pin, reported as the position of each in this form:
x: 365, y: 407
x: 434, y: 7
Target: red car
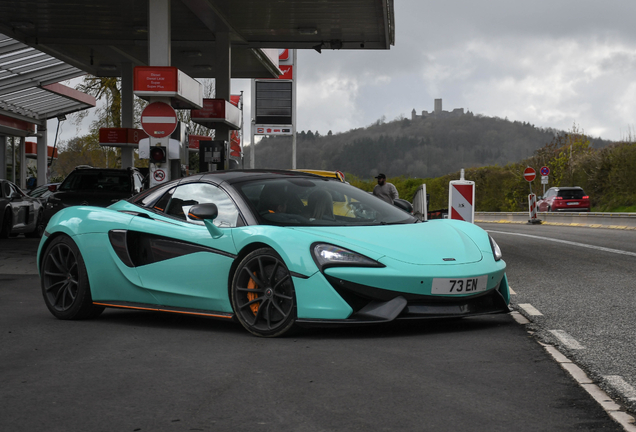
x: 560, y: 199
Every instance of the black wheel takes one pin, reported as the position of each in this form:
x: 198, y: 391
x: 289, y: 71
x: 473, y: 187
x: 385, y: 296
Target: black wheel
x: 263, y: 295
x: 65, y: 286
x: 39, y: 227
x: 5, y: 229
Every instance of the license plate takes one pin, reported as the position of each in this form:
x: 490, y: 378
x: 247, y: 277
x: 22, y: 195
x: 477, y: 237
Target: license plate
x: 459, y: 285
x: 573, y: 203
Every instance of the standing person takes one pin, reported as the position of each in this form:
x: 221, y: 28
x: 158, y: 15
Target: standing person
x: 385, y: 191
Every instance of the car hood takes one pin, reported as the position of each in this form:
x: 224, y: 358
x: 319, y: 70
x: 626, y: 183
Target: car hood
x: 420, y: 243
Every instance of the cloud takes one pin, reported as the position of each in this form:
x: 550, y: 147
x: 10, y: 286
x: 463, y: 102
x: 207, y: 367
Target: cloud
x: 552, y: 63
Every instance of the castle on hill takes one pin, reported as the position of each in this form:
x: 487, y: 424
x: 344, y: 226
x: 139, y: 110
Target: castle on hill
x: 437, y: 112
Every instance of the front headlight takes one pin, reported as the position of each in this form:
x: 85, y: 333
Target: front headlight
x: 496, y: 251
x: 327, y: 255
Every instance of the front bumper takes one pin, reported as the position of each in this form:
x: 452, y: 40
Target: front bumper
x: 372, y: 305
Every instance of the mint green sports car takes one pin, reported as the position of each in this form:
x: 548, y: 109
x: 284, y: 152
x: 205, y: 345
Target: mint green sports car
x: 270, y: 249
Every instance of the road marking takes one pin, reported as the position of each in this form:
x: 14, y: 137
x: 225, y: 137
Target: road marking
x: 566, y: 339
x: 530, y: 310
x: 511, y: 291
x: 620, y: 385
x: 519, y: 318
x: 600, y: 248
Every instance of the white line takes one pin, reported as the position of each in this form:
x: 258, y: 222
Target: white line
x: 620, y: 385
x: 604, y: 249
x: 530, y: 310
x: 511, y: 291
x: 158, y: 119
x: 566, y: 339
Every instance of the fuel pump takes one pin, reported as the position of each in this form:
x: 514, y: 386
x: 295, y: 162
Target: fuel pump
x: 212, y: 155
x: 165, y: 155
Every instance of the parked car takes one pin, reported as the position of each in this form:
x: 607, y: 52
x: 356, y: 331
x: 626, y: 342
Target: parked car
x: 562, y: 199
x: 268, y: 249
x: 99, y: 187
x: 44, y: 191
x: 19, y: 213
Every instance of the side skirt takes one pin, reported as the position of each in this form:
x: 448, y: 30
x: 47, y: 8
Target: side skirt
x: 155, y: 308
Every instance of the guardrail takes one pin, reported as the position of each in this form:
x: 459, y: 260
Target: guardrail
x: 591, y: 219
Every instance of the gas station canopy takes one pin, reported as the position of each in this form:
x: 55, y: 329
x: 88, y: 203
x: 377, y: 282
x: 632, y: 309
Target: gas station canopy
x: 98, y: 36
x: 29, y: 91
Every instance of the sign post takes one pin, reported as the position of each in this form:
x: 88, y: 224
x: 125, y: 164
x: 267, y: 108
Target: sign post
x: 530, y: 174
x: 461, y: 199
x: 545, y: 172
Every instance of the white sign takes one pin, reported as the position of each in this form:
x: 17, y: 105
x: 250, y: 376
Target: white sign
x: 544, y: 179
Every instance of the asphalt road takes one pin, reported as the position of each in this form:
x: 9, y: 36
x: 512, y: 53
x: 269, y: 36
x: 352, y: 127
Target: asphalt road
x: 583, y: 284
x: 144, y: 371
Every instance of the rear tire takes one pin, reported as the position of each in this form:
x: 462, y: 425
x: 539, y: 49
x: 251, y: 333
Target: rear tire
x: 64, y: 281
x: 5, y: 229
x: 39, y: 227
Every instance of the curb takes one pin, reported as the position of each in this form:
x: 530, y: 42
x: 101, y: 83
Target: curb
x: 579, y: 225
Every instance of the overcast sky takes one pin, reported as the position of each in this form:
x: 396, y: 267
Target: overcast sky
x: 552, y: 63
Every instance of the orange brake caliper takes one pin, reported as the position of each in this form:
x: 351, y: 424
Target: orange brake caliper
x: 251, y: 296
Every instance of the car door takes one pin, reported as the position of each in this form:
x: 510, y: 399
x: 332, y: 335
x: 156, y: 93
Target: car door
x: 22, y: 209
x: 183, y: 265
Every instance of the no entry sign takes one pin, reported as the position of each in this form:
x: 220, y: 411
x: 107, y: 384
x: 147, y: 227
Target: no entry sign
x: 529, y: 174
x: 159, y: 120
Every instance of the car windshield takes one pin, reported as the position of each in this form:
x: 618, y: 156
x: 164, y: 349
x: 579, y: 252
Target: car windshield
x: 318, y: 202
x: 111, y: 181
x: 571, y: 193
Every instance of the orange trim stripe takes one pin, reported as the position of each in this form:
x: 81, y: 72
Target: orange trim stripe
x: 162, y: 310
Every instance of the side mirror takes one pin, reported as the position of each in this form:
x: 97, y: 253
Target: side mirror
x: 201, y: 212
x: 52, y: 188
x: 206, y: 213
x: 14, y: 195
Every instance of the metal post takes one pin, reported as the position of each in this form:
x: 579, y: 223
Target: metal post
x: 222, y: 85
x: 43, y: 155
x: 23, y: 163
x: 3, y: 157
x: 294, y: 79
x: 253, y: 126
x: 13, y: 159
x: 127, y: 100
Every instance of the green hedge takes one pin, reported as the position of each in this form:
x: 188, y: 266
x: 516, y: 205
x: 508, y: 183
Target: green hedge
x: 608, y: 176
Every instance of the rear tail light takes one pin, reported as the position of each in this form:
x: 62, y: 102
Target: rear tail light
x: 586, y: 197
x: 556, y: 198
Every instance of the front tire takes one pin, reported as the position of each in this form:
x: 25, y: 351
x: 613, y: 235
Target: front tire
x: 64, y: 281
x: 262, y: 294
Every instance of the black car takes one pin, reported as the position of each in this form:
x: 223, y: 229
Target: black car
x: 99, y: 187
x: 19, y: 213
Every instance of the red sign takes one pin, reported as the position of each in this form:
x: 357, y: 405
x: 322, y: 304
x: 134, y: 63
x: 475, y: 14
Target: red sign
x: 156, y: 79
x: 212, y: 109
x: 283, y: 54
x: 544, y: 171
x: 31, y: 149
x: 121, y: 135
x: 159, y: 119
x: 529, y: 174
x: 288, y: 72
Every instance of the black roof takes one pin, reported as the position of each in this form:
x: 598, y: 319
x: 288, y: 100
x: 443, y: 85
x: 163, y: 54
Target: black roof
x: 237, y: 176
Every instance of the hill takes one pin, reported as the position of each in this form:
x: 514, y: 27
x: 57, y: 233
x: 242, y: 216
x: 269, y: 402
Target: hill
x: 421, y: 147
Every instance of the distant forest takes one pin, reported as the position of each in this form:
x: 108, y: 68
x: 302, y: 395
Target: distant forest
x: 424, y: 147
